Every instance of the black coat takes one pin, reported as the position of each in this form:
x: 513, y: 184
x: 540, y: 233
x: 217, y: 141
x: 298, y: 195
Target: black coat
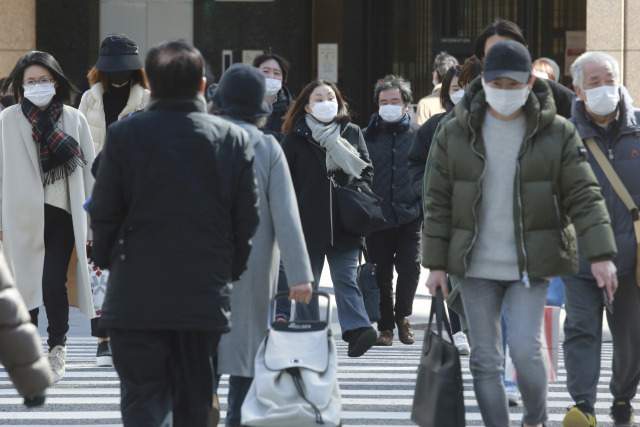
x: 309, y: 174
x: 563, y: 97
x: 419, y: 151
x: 174, y: 207
x: 283, y: 102
x: 388, y: 152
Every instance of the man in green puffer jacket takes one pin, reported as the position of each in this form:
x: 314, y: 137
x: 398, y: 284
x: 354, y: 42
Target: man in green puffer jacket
x: 507, y: 187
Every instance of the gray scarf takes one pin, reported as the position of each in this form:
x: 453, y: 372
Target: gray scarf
x: 341, y: 155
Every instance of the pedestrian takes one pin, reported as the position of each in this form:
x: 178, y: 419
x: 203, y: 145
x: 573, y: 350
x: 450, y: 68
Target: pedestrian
x: 118, y: 88
x: 430, y: 104
x: 389, y: 136
x: 320, y: 142
x: 507, y: 178
x: 173, y: 211
x: 604, y: 111
x: 546, y: 68
x: 20, y: 347
x: 240, y: 98
x: 47, y: 154
x: 276, y: 70
x: 501, y: 29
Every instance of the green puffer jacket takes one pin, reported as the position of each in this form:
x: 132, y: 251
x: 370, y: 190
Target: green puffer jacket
x: 555, y: 192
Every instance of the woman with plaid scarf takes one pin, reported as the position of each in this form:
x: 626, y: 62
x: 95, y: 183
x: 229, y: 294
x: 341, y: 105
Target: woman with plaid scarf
x: 46, y: 152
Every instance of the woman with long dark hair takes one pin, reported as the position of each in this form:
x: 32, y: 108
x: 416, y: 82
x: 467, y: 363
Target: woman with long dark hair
x: 320, y: 142
x: 45, y: 178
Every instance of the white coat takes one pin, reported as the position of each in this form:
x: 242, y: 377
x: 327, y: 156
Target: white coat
x: 91, y: 105
x: 22, y: 203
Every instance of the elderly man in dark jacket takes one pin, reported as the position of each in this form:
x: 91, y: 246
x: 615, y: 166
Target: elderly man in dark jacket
x: 389, y: 137
x: 604, y: 111
x: 173, y: 211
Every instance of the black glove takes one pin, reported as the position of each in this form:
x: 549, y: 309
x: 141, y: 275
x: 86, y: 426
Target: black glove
x: 32, y: 402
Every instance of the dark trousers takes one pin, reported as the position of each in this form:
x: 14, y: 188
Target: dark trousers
x: 238, y: 389
x: 583, y: 338
x: 166, y: 377
x: 399, y: 247
x: 97, y: 330
x: 58, y: 247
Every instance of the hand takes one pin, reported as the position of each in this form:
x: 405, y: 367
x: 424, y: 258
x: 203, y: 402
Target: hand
x: 437, y: 279
x: 605, y: 274
x: 301, y: 292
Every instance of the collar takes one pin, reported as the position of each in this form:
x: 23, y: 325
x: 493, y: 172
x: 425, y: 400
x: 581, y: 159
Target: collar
x: 197, y: 104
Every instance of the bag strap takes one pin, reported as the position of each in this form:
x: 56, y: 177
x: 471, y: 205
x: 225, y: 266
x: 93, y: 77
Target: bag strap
x: 437, y: 308
x: 297, y: 380
x: 620, y: 190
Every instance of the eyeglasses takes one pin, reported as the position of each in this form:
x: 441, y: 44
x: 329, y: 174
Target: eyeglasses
x: 42, y: 81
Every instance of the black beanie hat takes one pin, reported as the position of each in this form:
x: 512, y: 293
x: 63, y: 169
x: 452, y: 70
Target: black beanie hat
x: 240, y: 93
x: 118, y: 53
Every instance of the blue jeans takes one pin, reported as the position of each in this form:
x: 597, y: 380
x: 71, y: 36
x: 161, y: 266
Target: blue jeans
x: 524, y: 308
x: 238, y: 389
x: 343, y: 264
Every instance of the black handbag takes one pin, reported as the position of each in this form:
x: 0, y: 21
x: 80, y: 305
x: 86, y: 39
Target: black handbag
x: 358, y: 207
x: 368, y: 284
x: 439, y: 397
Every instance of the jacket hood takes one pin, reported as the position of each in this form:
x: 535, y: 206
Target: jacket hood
x: 626, y: 117
x: 472, y: 107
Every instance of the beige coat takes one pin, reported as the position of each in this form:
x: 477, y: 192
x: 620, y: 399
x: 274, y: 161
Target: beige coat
x: 91, y: 105
x: 22, y: 203
x: 20, y: 347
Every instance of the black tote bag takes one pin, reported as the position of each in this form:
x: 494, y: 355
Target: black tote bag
x: 368, y: 284
x: 439, y: 397
x: 360, y: 209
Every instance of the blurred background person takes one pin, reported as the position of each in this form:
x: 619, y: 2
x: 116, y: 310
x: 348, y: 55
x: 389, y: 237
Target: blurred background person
x: 118, y: 88
x: 430, y: 104
x: 546, y: 68
x: 276, y: 70
x: 47, y: 154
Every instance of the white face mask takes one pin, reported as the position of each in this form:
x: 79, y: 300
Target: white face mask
x: 505, y: 101
x: 273, y: 86
x: 603, y: 100
x: 457, y: 96
x: 391, y: 113
x: 325, y: 111
x: 40, y: 94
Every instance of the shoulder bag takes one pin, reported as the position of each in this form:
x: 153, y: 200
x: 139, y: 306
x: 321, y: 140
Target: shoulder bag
x: 439, y: 397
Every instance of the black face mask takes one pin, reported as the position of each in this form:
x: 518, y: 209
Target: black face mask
x: 120, y: 77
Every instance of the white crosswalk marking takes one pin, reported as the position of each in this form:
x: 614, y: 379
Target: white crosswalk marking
x: 377, y: 389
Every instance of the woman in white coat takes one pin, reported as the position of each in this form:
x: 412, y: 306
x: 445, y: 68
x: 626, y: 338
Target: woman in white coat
x: 118, y: 88
x: 46, y: 154
x: 240, y: 98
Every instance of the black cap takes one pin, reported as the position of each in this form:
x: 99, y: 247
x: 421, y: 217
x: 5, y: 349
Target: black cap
x: 240, y: 93
x: 118, y: 53
x: 509, y: 59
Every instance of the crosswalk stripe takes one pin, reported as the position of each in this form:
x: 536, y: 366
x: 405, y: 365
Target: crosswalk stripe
x: 376, y: 389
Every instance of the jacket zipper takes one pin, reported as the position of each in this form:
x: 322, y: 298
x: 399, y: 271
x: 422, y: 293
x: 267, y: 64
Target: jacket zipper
x: 563, y: 237
x: 525, y: 275
x: 331, y: 207
x: 475, y: 202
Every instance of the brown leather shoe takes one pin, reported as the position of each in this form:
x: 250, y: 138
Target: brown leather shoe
x: 405, y: 331
x: 385, y: 338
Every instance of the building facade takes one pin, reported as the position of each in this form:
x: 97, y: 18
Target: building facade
x: 369, y: 38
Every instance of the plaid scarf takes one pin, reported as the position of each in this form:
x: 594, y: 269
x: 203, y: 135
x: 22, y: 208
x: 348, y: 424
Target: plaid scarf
x: 60, y: 154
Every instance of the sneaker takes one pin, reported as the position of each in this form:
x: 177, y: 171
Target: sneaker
x: 580, y: 415
x: 103, y: 355
x: 385, y: 338
x: 622, y: 414
x: 513, y: 394
x: 361, y: 340
x: 57, y: 358
x: 405, y: 331
x: 460, y: 341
